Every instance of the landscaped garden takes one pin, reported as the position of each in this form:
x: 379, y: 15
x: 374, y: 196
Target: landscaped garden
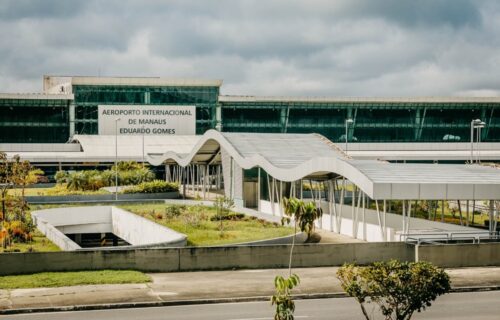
x: 131, y: 176
x: 204, y: 226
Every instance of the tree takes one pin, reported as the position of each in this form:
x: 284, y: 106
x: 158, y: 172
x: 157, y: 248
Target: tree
x: 398, y: 288
x: 303, y: 214
x: 5, y: 182
x: 16, y: 223
x: 24, y: 174
x: 310, y: 214
x: 285, y: 306
x: 223, y: 206
x: 293, y: 208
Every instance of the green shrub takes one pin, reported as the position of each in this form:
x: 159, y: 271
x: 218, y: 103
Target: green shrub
x: 155, y: 186
x: 62, y: 190
x: 61, y: 176
x: 233, y: 216
x: 174, y: 211
x: 397, y: 288
x: 127, y: 166
x: 129, y: 173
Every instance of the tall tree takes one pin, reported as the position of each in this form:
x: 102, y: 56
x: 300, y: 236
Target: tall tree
x: 5, y: 182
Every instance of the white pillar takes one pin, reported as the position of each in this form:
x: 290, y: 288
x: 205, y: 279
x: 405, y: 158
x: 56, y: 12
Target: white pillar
x: 71, y: 114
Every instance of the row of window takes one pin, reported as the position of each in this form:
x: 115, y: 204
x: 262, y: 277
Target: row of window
x: 33, y: 134
x: 146, y: 95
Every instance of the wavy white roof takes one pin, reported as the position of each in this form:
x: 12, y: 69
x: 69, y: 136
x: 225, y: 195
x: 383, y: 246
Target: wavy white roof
x: 290, y: 157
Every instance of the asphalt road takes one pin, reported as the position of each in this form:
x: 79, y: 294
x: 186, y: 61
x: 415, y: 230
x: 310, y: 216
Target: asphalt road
x: 478, y: 306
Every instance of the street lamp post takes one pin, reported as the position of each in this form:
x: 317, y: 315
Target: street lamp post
x: 347, y: 122
x: 116, y: 158
x: 142, y: 146
x: 473, y: 125
x: 479, y: 126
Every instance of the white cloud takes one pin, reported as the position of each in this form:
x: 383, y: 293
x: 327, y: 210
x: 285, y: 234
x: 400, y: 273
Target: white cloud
x: 323, y: 48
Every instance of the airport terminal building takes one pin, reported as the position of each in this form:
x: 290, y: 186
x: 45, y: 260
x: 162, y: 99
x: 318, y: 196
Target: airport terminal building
x: 260, y: 149
x: 93, y: 121
x: 70, y: 105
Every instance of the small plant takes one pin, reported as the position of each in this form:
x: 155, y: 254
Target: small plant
x: 303, y: 214
x: 232, y: 216
x: 173, y: 211
x: 223, y: 206
x: 285, y: 306
x: 398, y: 288
x: 193, y: 219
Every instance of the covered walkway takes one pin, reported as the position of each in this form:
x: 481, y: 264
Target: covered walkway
x: 259, y: 169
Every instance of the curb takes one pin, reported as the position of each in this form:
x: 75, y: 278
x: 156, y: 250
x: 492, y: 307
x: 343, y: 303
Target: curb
x: 129, y: 305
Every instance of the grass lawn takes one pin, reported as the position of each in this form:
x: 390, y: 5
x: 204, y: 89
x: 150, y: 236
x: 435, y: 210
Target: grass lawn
x: 39, y: 244
x: 30, y: 191
x: 61, y: 279
x: 194, y: 221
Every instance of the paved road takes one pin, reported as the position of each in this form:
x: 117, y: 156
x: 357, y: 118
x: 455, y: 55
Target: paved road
x: 478, y: 306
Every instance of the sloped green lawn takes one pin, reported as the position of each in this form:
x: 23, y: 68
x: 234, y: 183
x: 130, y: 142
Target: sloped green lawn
x: 196, y: 223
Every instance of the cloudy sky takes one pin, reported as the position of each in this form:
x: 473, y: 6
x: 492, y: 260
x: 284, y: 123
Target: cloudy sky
x: 266, y: 47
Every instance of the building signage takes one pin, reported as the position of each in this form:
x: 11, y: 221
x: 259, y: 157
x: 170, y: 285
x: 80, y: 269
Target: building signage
x: 147, y: 119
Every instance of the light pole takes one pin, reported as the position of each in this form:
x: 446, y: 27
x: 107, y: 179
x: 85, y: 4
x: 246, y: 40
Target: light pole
x: 142, y: 146
x: 347, y: 122
x: 479, y: 126
x: 116, y: 158
x: 473, y: 125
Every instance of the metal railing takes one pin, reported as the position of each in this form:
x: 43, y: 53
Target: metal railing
x: 439, y: 238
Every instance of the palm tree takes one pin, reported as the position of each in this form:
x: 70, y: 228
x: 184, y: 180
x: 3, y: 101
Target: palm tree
x: 310, y: 214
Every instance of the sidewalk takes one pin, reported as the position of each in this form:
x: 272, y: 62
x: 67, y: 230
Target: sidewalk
x: 208, y: 287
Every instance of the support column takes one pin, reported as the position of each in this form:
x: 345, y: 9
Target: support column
x: 404, y: 217
x: 258, y: 189
x: 353, y: 206
x: 364, y: 217
x: 218, y: 117
x: 492, y: 216
x: 342, y: 200
x: 467, y: 215
x: 71, y: 116
x: 385, y: 227
x: 442, y: 211
x: 379, y: 220
x: 233, y: 178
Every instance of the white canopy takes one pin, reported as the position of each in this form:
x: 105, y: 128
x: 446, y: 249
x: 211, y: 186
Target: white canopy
x: 289, y: 157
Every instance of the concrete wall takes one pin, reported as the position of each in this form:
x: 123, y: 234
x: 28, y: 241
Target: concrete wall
x: 74, y: 216
x: 373, y: 232
x: 56, y: 236
x: 205, y: 258
x: 142, y: 232
x: 300, y: 237
x: 134, y: 229
x: 460, y: 255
